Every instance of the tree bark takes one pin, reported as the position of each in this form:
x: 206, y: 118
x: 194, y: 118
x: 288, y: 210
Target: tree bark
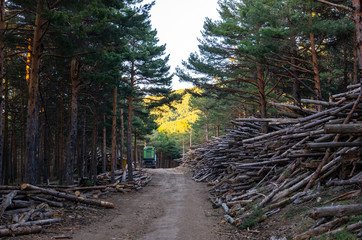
x: 68, y: 196
x: 262, y: 97
x: 84, y: 167
x: 61, y: 139
x: 122, y: 137
x: 20, y: 231
x: 336, y: 211
x: 33, y: 108
x: 6, y: 157
x: 357, y: 19
x: 7, y: 201
x: 317, y: 83
x: 343, y: 128
x: 2, y: 62
x: 104, y: 149
x: 94, y: 159
x: 129, y: 125
x: 114, y: 134
x: 75, y: 67
x: 296, y: 83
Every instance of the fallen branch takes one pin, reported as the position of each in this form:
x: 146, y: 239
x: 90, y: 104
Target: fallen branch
x: 7, y: 201
x: 338, y: 211
x: 68, y: 196
x: 321, y: 229
x: 20, y: 231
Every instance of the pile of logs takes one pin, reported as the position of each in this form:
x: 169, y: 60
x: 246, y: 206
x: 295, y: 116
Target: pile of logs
x: 25, y: 209
x: 249, y: 170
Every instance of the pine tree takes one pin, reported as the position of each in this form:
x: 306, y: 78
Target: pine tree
x: 145, y: 70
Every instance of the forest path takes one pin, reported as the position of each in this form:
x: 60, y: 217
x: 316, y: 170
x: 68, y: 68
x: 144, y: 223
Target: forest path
x: 171, y: 206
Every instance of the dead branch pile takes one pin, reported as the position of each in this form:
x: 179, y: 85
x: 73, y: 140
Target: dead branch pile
x: 25, y: 209
x: 259, y: 173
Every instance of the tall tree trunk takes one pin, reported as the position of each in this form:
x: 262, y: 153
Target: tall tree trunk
x: 12, y: 155
x: 46, y: 173
x: 183, y: 147
x: 296, y: 83
x: 104, y: 149
x: 2, y: 62
x: 135, y: 150
x: 84, y: 167
x: 129, y: 124
x: 317, y: 83
x: 114, y: 134
x: 262, y: 97
x: 217, y: 128
x: 190, y: 137
x: 41, y: 143
x: 72, y: 137
x: 94, y: 159
x: 33, y: 108
x: 23, y: 138
x: 122, y: 137
x: 357, y: 19
x: 207, y: 130
x: 56, y: 148
x: 61, y: 139
x: 355, y: 60
x: 6, y: 157
x: 129, y: 138
x: 345, y: 67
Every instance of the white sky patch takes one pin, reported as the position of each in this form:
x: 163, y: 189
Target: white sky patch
x: 178, y: 24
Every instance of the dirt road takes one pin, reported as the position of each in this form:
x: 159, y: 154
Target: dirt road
x: 172, y: 206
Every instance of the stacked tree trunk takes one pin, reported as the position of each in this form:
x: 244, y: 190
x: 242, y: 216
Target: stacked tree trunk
x: 25, y: 209
x: 250, y: 171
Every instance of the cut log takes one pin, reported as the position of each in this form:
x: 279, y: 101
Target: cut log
x: 351, y: 227
x: 7, y: 201
x: 321, y: 229
x: 338, y: 211
x: 49, y: 202
x: 20, y: 231
x: 31, y: 223
x: 334, y: 144
x: 68, y: 196
x: 343, y: 128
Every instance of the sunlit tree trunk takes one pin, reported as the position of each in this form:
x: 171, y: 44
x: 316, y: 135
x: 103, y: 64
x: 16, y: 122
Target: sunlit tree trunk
x: 6, y: 157
x: 33, y: 108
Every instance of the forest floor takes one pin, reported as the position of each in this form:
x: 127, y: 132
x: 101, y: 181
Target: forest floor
x: 171, y: 206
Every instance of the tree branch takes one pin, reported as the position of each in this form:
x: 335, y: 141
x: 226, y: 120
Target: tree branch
x: 336, y: 5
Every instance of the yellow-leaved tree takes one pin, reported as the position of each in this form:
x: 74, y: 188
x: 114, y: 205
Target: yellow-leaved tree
x: 179, y: 117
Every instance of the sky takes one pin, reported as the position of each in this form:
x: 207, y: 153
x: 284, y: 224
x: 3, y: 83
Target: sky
x: 178, y: 24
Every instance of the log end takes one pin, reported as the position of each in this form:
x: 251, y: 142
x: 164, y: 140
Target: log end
x: 24, y: 186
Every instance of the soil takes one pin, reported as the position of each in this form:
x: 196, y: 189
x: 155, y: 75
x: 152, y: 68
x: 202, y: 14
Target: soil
x: 172, y: 206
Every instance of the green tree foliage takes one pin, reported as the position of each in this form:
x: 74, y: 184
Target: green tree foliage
x: 67, y: 72
x: 166, y: 143
x: 144, y: 70
x: 261, y: 51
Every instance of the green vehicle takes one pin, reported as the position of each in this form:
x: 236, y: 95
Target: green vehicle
x: 149, y: 157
